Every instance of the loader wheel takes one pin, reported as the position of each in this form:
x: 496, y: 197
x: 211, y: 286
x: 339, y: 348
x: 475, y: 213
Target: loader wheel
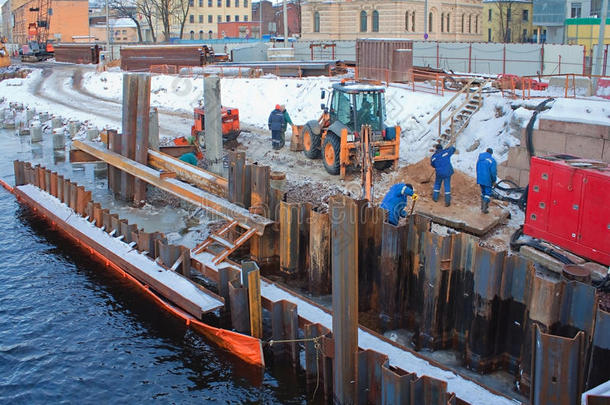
x: 311, y: 143
x: 383, y: 164
x: 332, y: 149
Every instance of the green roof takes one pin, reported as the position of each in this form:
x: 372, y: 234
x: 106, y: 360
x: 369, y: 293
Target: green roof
x: 586, y: 21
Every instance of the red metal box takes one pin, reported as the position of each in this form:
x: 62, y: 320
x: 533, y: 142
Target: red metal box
x: 569, y: 205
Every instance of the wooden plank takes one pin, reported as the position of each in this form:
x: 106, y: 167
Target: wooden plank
x: 254, y: 298
x: 78, y: 156
x: 200, y: 198
x: 201, y: 178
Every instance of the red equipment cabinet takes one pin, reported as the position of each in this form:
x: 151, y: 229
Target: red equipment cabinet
x: 568, y: 204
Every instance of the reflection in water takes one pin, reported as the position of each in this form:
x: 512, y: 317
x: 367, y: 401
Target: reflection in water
x: 100, y: 171
x: 37, y: 151
x: 59, y: 156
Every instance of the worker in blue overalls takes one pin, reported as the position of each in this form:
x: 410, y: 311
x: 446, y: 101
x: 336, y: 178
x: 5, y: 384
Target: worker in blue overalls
x: 395, y: 201
x: 486, y: 177
x: 441, y: 161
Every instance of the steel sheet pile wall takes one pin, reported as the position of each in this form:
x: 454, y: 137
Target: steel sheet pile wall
x: 375, y: 58
x: 141, y: 58
x: 77, y: 53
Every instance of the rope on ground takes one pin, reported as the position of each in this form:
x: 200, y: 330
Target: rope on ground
x: 316, y: 345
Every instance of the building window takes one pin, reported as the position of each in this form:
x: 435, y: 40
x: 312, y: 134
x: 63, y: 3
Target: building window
x: 462, y: 23
x: 448, y: 23
x: 245, y: 3
x: 200, y: 34
x: 489, y: 15
x: 200, y: 18
x: 228, y: 3
x: 430, y: 21
x: 192, y: 3
x: 228, y: 18
x: 218, y: 18
x: 316, y: 22
x: 219, y: 3
x: 576, y: 10
x: 526, y: 15
x: 245, y: 18
x: 210, y: 3
x: 191, y: 18
x: 413, y: 21
x: 210, y: 18
x: 476, y: 24
x: 508, y: 35
x: 407, y: 21
x: 200, y: 3
x: 509, y: 16
x: 237, y: 18
x: 375, y: 21
x: 524, y: 36
x: 236, y: 3
x: 488, y: 34
x: 192, y: 35
x: 363, y: 17
x: 470, y: 24
x: 442, y: 22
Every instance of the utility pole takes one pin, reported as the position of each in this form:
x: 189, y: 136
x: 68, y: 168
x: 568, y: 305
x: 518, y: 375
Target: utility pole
x: 597, y: 67
x: 426, y: 19
x: 260, y: 19
x: 285, y: 25
x: 108, y: 30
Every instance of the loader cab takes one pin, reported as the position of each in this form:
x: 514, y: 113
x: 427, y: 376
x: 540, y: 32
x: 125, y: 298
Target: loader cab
x: 355, y: 105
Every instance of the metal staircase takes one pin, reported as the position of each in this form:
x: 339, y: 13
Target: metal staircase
x: 219, y: 243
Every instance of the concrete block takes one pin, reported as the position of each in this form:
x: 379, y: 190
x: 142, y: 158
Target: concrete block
x: 575, y: 128
x: 606, y: 152
x: 508, y: 173
x: 518, y: 158
x: 588, y: 148
x: 554, y: 142
x: 524, y: 178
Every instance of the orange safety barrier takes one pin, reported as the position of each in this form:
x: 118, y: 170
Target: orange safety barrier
x: 247, y: 348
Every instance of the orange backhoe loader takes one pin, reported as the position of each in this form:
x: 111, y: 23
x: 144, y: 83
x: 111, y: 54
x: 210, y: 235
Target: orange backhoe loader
x: 336, y: 135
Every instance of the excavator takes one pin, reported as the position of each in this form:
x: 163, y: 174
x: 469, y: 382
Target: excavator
x: 337, y: 136
x: 39, y: 47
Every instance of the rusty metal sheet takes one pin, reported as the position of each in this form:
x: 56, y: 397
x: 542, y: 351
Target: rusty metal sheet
x: 374, y: 56
x: 390, y: 265
x: 557, y: 372
x: 19, y: 172
x: 53, y: 184
x: 142, y: 132
x: 370, y: 376
x: 142, y: 58
x: 578, y: 308
x: 344, y: 239
x: 97, y: 215
x: 600, y: 351
x: 395, y: 385
x: 237, y: 192
x: 289, y: 237
x: 319, y: 253
x: 129, y: 125
x: 402, y: 65
x: 314, y: 355
x: 61, y: 188
x: 285, y: 326
x: 240, y: 318
x: 429, y: 391
x: 370, y: 225
x: 260, y: 190
x: 77, y: 53
x: 73, y: 193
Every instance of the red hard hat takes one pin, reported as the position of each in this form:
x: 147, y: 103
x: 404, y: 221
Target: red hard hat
x: 277, y: 107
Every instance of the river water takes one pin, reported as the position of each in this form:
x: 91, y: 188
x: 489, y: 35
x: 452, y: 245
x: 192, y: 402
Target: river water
x: 70, y: 332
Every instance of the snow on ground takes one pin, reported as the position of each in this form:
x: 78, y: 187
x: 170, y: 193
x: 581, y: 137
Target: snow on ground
x: 590, y: 112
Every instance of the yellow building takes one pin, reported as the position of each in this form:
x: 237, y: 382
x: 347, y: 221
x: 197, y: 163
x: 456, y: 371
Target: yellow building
x: 507, y: 21
x: 585, y: 31
x: 202, y: 19
x: 449, y: 20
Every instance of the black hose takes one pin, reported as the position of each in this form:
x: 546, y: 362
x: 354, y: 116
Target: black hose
x: 529, y: 131
x: 515, y: 245
x: 520, y: 201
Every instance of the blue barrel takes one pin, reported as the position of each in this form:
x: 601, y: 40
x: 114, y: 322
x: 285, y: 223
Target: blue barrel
x: 390, y: 133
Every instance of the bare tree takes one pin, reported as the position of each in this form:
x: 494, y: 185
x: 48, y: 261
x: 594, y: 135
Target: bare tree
x: 126, y: 9
x: 509, y: 22
x: 181, y: 13
x: 164, y: 10
x: 147, y: 10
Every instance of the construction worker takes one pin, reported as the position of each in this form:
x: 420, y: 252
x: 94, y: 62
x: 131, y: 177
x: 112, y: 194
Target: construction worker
x: 441, y: 161
x: 190, y: 158
x: 395, y: 201
x: 276, y: 124
x: 486, y: 177
x: 287, y: 121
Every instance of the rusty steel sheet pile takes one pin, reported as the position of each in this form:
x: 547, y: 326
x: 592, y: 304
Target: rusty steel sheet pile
x: 77, y: 53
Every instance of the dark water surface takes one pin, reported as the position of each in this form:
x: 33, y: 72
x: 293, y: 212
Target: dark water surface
x: 73, y: 332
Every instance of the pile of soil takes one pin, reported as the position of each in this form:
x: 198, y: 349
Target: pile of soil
x: 464, y: 189
x: 316, y: 193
